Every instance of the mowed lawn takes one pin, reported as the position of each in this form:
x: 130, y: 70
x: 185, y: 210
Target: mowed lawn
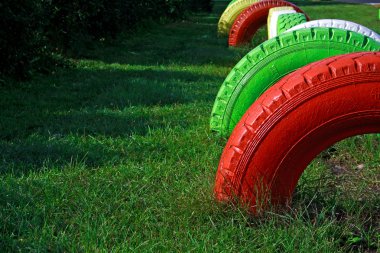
x: 115, y: 154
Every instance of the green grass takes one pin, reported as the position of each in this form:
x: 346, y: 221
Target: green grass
x: 115, y: 154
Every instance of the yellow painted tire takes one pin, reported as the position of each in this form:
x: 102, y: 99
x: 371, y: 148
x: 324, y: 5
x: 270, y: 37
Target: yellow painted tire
x: 229, y: 15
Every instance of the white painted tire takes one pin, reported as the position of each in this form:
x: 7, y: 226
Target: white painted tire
x: 273, y: 15
x: 337, y: 23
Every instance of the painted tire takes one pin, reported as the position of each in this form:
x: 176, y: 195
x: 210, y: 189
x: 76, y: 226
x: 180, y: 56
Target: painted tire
x: 337, y: 23
x: 233, y: 1
x: 287, y: 21
x: 273, y: 15
x: 251, y: 19
x: 230, y: 13
x: 296, y: 119
x: 273, y: 59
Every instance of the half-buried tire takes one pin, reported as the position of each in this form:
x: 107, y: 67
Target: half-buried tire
x: 252, y: 18
x: 230, y: 13
x: 273, y: 59
x: 338, y: 23
x: 273, y: 15
x: 233, y: 1
x: 287, y: 21
x: 297, y: 118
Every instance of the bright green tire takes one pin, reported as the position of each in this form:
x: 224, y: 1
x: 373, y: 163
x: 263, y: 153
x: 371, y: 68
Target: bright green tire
x: 287, y: 21
x: 273, y: 15
x: 273, y: 59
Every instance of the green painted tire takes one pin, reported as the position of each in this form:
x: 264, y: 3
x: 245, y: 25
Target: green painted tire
x: 273, y: 15
x: 273, y: 59
x: 287, y: 21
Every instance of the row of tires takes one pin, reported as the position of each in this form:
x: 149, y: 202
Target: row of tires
x: 242, y: 18
x: 308, y: 86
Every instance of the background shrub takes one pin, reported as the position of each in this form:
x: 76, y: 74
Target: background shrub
x: 22, y: 40
x: 36, y: 31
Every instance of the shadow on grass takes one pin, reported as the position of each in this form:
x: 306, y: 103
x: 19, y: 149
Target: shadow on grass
x: 32, y: 105
x: 38, y: 153
x: 93, y: 139
x: 48, y: 123
x: 187, y: 42
x: 119, y: 89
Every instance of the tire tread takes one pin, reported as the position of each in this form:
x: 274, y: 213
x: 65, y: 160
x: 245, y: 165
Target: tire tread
x: 220, y: 121
x: 256, y: 122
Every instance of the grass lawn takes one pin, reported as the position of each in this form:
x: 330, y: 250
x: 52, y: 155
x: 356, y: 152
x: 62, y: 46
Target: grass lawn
x: 115, y: 154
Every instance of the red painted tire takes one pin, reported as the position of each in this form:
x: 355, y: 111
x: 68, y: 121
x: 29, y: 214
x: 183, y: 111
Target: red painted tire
x: 252, y: 18
x: 293, y: 121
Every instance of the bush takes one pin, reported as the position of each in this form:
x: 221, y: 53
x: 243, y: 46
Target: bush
x: 195, y: 5
x: 36, y: 30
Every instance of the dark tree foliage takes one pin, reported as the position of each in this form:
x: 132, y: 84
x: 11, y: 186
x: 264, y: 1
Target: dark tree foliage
x: 22, y: 40
x: 34, y: 31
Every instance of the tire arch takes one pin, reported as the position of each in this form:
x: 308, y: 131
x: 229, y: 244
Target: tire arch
x: 338, y: 23
x: 252, y: 18
x: 262, y: 161
x: 287, y: 21
x: 273, y: 59
x: 230, y: 13
x: 274, y: 13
